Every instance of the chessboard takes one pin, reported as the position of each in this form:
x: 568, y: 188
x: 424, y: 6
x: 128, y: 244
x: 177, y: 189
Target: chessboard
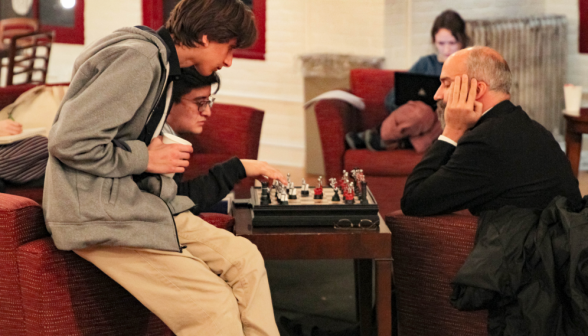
x: 307, y: 211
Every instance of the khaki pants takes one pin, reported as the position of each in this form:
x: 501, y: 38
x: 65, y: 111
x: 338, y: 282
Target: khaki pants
x: 217, y: 286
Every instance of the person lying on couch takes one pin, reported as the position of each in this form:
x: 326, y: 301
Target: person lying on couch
x: 490, y: 154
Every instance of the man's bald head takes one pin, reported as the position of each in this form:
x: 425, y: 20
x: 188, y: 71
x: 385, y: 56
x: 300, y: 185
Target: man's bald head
x: 485, y: 64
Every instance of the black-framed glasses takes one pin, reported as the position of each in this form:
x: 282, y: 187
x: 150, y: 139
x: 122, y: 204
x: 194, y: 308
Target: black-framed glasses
x: 362, y: 224
x: 202, y: 103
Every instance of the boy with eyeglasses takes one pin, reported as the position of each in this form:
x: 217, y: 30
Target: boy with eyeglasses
x: 192, y: 103
x: 107, y: 196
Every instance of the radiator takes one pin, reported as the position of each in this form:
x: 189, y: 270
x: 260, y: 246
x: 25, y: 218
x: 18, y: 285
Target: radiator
x: 536, y: 51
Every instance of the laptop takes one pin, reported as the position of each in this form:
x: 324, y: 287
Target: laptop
x: 411, y: 86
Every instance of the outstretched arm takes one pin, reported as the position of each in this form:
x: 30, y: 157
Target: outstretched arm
x: 209, y: 189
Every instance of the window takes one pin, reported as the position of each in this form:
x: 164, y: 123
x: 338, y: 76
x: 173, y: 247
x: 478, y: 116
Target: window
x: 156, y: 12
x: 65, y: 17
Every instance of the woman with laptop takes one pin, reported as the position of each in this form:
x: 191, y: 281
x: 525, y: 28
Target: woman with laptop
x: 448, y: 35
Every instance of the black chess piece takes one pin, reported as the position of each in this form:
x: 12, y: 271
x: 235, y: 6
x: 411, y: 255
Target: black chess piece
x: 363, y: 197
x: 336, y: 197
x: 264, y: 200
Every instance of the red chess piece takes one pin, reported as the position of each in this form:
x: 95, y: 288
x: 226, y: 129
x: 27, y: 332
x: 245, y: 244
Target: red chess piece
x: 348, y: 196
x: 318, y: 192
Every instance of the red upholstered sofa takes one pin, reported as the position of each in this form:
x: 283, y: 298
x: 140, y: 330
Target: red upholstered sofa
x: 44, y: 291
x: 428, y: 252
x: 385, y: 171
x: 231, y: 131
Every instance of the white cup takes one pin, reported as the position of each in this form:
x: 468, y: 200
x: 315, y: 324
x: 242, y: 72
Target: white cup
x: 573, y: 99
x: 169, y: 139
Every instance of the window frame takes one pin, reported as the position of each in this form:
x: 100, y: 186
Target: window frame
x: 153, y: 18
x: 73, y: 35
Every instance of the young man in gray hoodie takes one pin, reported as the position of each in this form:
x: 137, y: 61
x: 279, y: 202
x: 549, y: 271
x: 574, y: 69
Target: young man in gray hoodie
x: 105, y: 194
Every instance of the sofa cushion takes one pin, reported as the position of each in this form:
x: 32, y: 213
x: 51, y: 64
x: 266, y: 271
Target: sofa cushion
x: 64, y: 294
x: 383, y: 163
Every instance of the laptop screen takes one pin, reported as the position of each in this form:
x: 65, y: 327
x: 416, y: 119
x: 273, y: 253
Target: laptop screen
x: 410, y: 86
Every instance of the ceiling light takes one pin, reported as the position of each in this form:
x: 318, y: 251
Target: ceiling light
x: 68, y: 4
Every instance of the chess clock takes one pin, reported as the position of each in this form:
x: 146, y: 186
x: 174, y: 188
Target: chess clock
x: 22, y: 7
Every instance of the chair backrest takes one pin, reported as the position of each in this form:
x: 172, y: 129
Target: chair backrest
x: 428, y: 252
x: 231, y: 129
x: 372, y: 85
x: 17, y: 26
x: 29, y: 54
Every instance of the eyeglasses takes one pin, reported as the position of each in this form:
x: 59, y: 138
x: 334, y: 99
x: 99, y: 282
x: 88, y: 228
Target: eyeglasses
x: 202, y: 103
x: 363, y: 224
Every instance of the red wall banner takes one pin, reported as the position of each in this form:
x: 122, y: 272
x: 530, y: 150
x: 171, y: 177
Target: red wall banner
x: 583, y: 36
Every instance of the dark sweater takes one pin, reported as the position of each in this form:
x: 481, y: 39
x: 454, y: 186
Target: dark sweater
x: 505, y: 159
x: 209, y: 189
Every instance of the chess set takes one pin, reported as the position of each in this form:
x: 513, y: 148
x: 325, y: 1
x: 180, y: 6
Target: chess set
x: 288, y: 205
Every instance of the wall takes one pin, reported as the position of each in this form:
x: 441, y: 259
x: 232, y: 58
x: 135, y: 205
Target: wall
x: 293, y: 28
x: 396, y: 29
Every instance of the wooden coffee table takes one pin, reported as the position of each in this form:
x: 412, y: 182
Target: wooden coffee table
x: 363, y: 246
x: 575, y: 127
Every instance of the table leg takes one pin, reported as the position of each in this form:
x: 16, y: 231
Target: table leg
x: 384, y: 296
x: 363, y: 295
x: 573, y: 149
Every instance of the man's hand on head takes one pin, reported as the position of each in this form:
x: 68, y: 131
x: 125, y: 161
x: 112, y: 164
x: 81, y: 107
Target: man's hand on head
x: 462, y: 111
x: 10, y: 127
x: 165, y: 159
x: 263, y: 171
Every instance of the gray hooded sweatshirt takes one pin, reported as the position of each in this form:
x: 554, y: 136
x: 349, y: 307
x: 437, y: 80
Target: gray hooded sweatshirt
x: 90, y: 198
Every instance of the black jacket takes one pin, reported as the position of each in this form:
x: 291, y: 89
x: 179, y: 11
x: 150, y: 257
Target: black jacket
x: 207, y: 190
x: 505, y: 159
x: 529, y: 268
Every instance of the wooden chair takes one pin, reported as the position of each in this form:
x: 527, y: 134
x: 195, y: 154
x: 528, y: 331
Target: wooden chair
x: 25, y: 59
x: 17, y: 26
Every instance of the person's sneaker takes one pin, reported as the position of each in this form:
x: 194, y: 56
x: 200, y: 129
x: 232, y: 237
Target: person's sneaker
x: 355, y: 140
x: 373, y: 141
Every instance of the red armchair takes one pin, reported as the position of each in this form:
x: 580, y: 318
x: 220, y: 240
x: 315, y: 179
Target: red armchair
x: 428, y: 252
x: 45, y: 291
x: 385, y: 171
x: 231, y: 130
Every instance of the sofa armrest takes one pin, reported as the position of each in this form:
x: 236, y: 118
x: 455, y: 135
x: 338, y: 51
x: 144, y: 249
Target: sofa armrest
x: 221, y: 221
x: 9, y: 94
x: 334, y: 119
x: 428, y: 252
x: 64, y: 294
